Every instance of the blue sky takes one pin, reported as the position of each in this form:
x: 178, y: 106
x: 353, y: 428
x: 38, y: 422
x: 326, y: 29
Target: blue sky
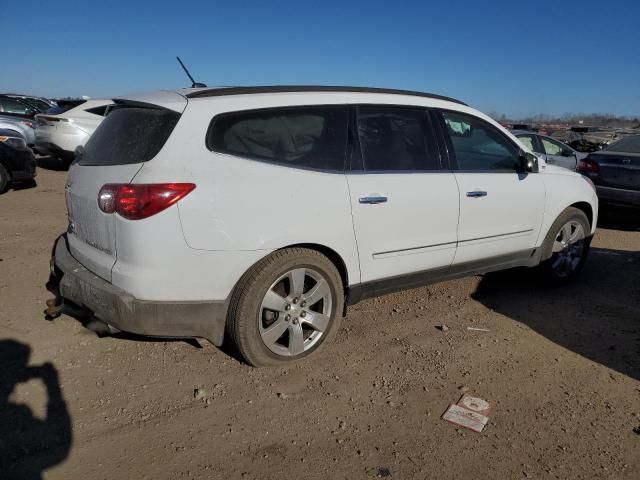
x: 516, y: 57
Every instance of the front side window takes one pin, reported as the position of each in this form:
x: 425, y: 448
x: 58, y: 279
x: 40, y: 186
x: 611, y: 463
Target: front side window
x: 479, y: 146
x: 551, y: 147
x: 396, y: 138
x: 304, y: 137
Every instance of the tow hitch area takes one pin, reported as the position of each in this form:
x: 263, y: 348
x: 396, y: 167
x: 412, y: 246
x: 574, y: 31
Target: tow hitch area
x: 54, y: 309
x: 57, y: 306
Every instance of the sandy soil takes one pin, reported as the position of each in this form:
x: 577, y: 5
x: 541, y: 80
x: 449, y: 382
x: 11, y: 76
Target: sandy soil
x: 560, y: 367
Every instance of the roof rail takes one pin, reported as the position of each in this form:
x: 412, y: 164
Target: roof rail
x: 223, y: 91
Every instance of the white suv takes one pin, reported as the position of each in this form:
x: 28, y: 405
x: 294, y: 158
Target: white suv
x: 258, y: 213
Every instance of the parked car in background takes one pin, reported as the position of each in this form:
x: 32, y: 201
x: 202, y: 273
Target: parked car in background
x: 259, y: 212
x: 16, y: 106
x: 615, y: 170
x: 41, y: 104
x: 17, y: 162
x: 19, y: 126
x: 59, y: 134
x: 64, y: 104
x: 587, y: 139
x: 550, y: 149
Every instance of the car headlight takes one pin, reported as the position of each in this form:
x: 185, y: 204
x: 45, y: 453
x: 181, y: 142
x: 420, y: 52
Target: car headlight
x: 14, y: 142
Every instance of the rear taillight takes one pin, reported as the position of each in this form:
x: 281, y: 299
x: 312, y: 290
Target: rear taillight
x: 135, y: 202
x: 47, y: 120
x: 587, y: 166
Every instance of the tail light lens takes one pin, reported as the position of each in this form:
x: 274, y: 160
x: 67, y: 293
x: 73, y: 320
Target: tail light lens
x: 135, y: 202
x: 47, y: 120
x: 587, y: 166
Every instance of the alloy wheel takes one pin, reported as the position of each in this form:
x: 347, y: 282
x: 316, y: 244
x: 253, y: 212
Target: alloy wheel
x: 568, y: 248
x: 295, y: 312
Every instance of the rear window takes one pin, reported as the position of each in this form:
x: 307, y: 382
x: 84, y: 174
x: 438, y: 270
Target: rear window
x: 129, y: 135
x: 302, y: 137
x: 627, y: 145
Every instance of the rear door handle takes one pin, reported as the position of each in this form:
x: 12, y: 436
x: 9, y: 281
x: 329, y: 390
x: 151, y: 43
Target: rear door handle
x: 477, y: 193
x: 373, y: 199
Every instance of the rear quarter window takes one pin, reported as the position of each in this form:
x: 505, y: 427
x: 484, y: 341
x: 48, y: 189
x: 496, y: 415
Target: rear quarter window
x: 129, y: 135
x: 302, y: 137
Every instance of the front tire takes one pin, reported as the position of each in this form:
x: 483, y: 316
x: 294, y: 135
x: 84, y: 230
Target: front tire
x: 565, y: 247
x: 285, y: 307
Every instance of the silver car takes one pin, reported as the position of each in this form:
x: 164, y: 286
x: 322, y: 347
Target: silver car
x: 23, y: 127
x: 553, y: 151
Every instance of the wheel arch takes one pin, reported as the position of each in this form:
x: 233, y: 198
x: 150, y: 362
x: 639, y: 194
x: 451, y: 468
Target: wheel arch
x: 331, y: 254
x: 587, y: 209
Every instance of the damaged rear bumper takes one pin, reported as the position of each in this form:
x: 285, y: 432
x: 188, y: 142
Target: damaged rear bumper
x: 72, y: 282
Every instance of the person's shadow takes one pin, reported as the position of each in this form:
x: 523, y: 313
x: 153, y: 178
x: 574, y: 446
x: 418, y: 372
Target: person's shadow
x: 28, y: 445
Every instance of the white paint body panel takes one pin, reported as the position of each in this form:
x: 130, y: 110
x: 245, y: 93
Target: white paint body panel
x: 416, y: 229
x: 506, y: 220
x: 242, y: 210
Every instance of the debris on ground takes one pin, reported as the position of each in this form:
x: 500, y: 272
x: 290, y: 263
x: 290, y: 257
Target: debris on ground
x: 384, y: 472
x: 200, y: 393
x: 476, y: 329
x: 443, y: 328
x: 470, y: 412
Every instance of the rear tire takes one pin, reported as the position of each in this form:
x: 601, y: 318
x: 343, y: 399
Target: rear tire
x: 565, y: 247
x: 285, y: 307
x: 4, y: 178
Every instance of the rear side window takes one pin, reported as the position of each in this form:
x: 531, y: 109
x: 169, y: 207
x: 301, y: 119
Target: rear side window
x: 9, y: 105
x: 479, y: 146
x: 303, y: 137
x: 102, y: 111
x: 129, y: 135
x: 396, y: 138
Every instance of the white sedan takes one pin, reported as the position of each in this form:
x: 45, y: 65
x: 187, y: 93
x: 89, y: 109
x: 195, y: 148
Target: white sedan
x: 59, y: 134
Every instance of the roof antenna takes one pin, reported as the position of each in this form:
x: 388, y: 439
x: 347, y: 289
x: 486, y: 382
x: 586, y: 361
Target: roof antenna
x: 194, y: 84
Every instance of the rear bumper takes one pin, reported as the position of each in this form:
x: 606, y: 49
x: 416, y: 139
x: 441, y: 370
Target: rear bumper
x: 619, y: 196
x: 114, y: 306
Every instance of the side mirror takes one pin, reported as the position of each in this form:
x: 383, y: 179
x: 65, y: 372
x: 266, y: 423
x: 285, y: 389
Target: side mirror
x: 529, y: 162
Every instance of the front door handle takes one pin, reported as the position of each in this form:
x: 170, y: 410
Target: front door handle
x: 477, y: 193
x: 373, y: 199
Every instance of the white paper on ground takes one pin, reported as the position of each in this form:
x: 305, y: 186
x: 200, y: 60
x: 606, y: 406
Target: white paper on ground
x: 465, y: 418
x: 475, y: 404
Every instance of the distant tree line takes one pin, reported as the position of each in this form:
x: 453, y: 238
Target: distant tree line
x: 590, y: 119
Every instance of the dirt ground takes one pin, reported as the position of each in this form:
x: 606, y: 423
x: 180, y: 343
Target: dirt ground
x: 560, y: 367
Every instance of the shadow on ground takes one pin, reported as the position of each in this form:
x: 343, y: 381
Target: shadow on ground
x: 618, y: 218
x: 596, y: 316
x: 52, y: 163
x: 30, y: 445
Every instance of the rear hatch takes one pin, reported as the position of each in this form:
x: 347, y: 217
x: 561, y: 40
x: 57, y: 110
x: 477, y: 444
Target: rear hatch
x: 619, y: 164
x: 132, y: 134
